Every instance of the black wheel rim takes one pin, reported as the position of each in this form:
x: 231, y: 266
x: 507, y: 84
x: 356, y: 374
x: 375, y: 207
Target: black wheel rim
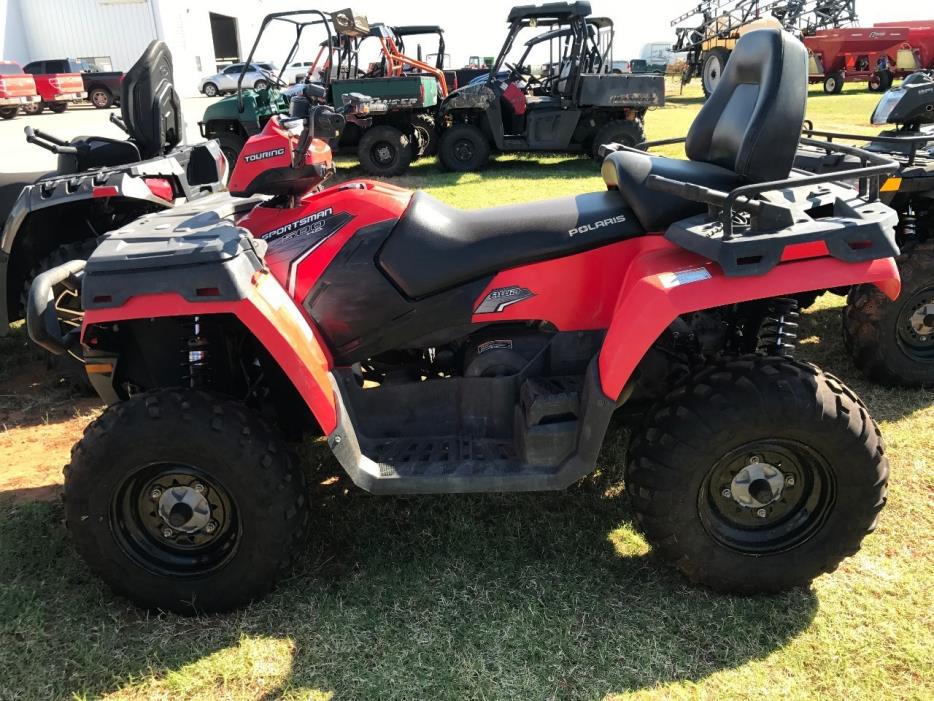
x: 766, y: 497
x: 174, y: 520
x: 916, y: 326
x: 463, y: 150
x: 383, y: 154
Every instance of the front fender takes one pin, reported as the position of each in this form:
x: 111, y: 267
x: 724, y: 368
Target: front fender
x: 663, y: 284
x: 273, y: 319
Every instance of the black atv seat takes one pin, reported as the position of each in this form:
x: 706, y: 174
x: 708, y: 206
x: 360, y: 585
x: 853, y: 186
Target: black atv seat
x: 747, y: 132
x: 435, y: 247
x: 97, y: 152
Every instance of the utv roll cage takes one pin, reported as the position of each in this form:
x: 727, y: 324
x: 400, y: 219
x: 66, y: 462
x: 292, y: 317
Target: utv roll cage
x: 598, y: 54
x: 564, y: 17
x: 300, y: 25
x: 418, y: 30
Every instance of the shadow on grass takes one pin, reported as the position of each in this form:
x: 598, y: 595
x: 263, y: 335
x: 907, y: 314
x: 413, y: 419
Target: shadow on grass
x: 521, y: 596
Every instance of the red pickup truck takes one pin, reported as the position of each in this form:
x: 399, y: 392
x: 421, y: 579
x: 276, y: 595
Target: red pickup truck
x: 17, y: 89
x: 57, y: 90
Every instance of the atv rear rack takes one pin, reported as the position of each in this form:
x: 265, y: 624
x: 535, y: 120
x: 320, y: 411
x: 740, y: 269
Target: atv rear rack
x: 748, y: 229
x: 914, y: 143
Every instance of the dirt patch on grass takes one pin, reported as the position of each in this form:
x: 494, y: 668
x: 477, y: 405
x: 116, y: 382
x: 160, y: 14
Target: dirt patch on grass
x: 41, y: 417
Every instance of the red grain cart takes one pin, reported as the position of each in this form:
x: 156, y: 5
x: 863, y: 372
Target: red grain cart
x: 877, y: 54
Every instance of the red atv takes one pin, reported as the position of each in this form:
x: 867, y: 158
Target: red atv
x: 439, y: 350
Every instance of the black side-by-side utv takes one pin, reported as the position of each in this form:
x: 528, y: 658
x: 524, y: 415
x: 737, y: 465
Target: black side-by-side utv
x: 579, y: 106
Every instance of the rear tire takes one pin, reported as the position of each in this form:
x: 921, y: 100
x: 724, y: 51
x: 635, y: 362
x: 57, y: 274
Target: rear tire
x: 58, y: 107
x: 714, y: 64
x: 757, y: 475
x: 892, y: 343
x: 67, y: 367
x: 185, y: 501
x: 8, y: 112
x: 426, y: 143
x: 463, y: 148
x: 619, y: 131
x: 101, y: 98
x: 833, y: 83
x: 34, y: 108
x: 384, y: 151
x: 231, y: 146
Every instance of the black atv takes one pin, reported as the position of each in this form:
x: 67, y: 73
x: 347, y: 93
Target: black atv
x: 893, y: 342
x: 101, y: 184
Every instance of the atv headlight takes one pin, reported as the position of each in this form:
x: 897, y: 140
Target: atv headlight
x: 886, y: 105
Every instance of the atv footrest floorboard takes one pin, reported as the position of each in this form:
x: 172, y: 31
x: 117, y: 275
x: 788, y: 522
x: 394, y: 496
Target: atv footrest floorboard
x: 443, y: 455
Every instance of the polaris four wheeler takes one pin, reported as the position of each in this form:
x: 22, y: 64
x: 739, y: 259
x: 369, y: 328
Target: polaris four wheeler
x: 101, y: 184
x: 892, y: 341
x: 441, y: 350
x: 578, y: 106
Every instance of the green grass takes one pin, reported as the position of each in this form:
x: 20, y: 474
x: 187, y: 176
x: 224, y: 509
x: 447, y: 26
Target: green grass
x: 550, y: 596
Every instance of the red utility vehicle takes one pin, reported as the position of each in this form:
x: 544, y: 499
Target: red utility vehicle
x: 878, y: 54
x: 441, y: 350
x: 56, y: 90
x: 17, y: 89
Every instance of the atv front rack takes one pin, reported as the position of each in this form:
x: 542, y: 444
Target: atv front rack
x: 748, y: 229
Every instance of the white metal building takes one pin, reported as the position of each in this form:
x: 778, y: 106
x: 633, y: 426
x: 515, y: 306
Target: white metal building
x: 201, y: 34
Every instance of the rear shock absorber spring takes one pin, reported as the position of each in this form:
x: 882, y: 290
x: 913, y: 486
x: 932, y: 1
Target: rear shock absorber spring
x: 196, y: 353
x: 778, y: 331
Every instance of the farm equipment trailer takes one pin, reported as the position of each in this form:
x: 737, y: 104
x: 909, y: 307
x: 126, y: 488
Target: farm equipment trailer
x: 708, y: 42
x: 878, y: 55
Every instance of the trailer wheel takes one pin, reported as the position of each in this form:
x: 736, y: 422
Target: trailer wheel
x: 101, y: 98
x: 833, y: 83
x: 384, y: 150
x: 619, y: 131
x: 58, y: 107
x: 892, y: 343
x: 463, y: 148
x: 757, y: 475
x: 714, y: 63
x: 8, y: 112
x: 185, y: 501
x: 880, y: 81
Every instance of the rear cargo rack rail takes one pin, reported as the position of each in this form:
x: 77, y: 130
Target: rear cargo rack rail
x: 746, y: 231
x: 916, y: 143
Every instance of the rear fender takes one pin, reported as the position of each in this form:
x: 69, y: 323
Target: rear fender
x: 274, y: 320
x: 664, y: 283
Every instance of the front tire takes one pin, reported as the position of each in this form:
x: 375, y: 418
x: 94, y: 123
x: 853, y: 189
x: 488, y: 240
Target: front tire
x: 185, y: 501
x: 619, y: 131
x: 463, y: 148
x: 210, y: 90
x: 757, y: 475
x: 384, y: 151
x: 892, y: 343
x: 833, y: 83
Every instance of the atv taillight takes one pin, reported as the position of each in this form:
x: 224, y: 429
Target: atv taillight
x: 160, y: 187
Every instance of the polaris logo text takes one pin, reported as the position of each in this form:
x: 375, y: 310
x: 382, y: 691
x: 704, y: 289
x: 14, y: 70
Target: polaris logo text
x: 297, y: 224
x: 597, y: 225
x: 264, y: 154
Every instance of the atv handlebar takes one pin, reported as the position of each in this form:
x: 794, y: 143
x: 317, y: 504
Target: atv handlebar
x: 41, y: 318
x: 48, y: 142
